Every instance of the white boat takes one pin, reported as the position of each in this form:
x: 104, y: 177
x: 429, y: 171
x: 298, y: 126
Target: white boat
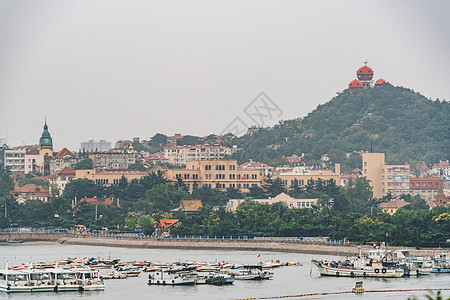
x: 41, y: 280
x: 361, y: 266
x: 252, y: 273
x: 172, y: 277
x: 441, y: 263
x: 14, y: 281
x: 90, y: 279
x: 357, y: 267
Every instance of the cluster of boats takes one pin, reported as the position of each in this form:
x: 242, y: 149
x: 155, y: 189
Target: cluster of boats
x: 50, y: 280
x: 88, y: 274
x: 381, y: 262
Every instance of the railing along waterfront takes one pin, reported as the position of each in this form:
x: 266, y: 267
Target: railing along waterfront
x: 140, y: 236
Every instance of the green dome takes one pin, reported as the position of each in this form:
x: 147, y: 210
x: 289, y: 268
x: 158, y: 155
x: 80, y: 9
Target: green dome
x: 45, y: 139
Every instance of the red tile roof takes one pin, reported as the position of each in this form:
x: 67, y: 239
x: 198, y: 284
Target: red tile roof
x: 166, y: 223
x: 396, y: 203
x: 63, y: 153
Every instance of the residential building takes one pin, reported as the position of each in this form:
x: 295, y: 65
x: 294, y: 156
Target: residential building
x: 93, y: 146
x: 346, y: 177
x: 443, y: 166
x: 63, y: 159
x: 303, y: 175
x: 251, y: 165
x: 385, y: 178
x: 34, y: 162
x: 30, y: 192
x: 232, y: 204
x: 179, y: 155
x: 427, y: 188
x: 189, y: 206
x: 15, y: 159
x: 117, y: 158
x: 109, y: 177
x: 219, y: 174
x: 62, y: 178
x: 392, y: 206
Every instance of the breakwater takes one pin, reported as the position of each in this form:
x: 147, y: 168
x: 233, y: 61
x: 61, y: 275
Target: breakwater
x: 216, y: 243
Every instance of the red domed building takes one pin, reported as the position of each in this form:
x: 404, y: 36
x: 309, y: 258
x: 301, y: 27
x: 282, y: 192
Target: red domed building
x: 380, y: 82
x: 365, y: 75
x: 355, y: 85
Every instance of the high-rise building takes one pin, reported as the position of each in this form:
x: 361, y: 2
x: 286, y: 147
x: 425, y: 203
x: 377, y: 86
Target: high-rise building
x: 385, y: 178
x: 92, y: 146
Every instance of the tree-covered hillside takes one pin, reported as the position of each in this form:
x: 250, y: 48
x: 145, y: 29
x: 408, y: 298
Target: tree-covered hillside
x: 398, y: 120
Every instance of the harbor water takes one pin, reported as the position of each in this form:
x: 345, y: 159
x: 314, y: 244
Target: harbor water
x: 293, y: 280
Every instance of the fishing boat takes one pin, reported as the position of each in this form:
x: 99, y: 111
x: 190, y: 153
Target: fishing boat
x: 172, y: 277
x: 361, y: 266
x: 252, y: 273
x: 441, y: 263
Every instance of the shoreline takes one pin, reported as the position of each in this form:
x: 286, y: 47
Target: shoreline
x: 219, y: 244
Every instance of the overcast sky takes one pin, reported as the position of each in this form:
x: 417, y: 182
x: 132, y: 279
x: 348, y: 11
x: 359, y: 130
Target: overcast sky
x: 121, y: 69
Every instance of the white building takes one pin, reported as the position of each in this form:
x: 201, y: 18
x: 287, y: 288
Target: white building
x: 92, y: 146
x: 178, y: 155
x: 23, y: 159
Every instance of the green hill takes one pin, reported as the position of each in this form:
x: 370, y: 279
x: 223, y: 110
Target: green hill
x: 400, y: 122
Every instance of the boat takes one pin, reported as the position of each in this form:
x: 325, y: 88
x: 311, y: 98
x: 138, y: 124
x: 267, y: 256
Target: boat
x: 252, y: 273
x: 441, y: 263
x: 215, y: 278
x: 90, y: 280
x: 360, y: 266
x: 172, y: 277
x: 14, y: 281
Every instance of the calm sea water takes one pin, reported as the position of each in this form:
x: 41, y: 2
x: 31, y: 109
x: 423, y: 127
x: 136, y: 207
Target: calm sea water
x: 287, y: 281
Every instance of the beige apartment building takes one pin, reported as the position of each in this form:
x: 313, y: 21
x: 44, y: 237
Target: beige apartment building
x: 385, y: 178
x: 109, y: 177
x: 113, y: 159
x: 303, y: 175
x: 179, y: 155
x: 219, y: 174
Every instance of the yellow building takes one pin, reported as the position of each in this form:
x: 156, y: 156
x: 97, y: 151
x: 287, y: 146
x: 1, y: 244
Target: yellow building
x: 303, y: 175
x: 385, y: 178
x: 109, y: 177
x: 219, y: 174
x: 232, y: 204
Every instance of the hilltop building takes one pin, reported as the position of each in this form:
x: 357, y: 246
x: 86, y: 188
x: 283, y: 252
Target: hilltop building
x: 385, y: 178
x: 364, y: 77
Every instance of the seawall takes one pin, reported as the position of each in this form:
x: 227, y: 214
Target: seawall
x: 201, y: 244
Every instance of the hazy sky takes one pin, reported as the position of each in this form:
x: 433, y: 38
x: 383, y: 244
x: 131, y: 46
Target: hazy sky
x: 118, y: 69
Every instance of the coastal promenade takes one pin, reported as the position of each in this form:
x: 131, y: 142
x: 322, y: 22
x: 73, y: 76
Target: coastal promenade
x: 291, y: 245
